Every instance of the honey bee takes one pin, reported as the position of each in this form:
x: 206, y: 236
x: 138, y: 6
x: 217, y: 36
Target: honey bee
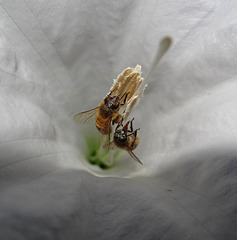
x: 106, y: 113
x: 121, y: 95
x: 126, y: 139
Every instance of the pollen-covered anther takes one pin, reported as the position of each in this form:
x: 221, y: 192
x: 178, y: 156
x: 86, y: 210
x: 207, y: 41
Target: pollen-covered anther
x: 129, y: 82
x: 133, y: 102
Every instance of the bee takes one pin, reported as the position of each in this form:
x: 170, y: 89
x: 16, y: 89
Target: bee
x: 106, y: 113
x: 126, y: 139
x: 121, y: 95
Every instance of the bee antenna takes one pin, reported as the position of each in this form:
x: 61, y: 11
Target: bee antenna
x: 111, y: 92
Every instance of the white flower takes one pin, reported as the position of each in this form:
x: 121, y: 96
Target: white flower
x: 60, y: 57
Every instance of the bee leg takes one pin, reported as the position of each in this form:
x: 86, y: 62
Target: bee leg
x: 134, y: 133
x: 135, y: 137
x: 118, y: 120
x: 125, y: 99
x: 120, y: 123
x: 122, y: 98
x: 131, y: 127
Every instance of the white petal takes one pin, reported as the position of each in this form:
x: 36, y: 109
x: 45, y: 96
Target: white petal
x: 194, y: 98
x: 33, y: 99
x: 72, y: 204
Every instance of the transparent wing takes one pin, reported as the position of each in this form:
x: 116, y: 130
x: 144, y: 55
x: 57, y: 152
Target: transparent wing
x: 105, y: 142
x: 110, y: 146
x: 85, y: 117
x: 134, y: 156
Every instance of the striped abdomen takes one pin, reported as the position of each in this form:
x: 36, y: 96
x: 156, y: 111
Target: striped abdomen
x: 103, y: 125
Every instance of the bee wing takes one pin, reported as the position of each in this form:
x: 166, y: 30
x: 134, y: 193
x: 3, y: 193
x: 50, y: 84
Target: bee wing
x: 107, y: 145
x: 110, y: 146
x: 85, y: 117
x: 104, y: 139
x: 134, y: 156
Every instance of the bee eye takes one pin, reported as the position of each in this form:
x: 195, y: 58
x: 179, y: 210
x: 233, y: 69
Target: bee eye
x: 106, y: 101
x: 114, y: 106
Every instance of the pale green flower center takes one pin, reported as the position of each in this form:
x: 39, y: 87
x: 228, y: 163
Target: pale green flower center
x: 96, y: 155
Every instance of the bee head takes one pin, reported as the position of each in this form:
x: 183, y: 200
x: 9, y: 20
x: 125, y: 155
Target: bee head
x: 112, y: 102
x: 120, y: 136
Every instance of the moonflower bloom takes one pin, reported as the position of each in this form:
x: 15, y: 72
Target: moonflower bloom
x: 60, y: 57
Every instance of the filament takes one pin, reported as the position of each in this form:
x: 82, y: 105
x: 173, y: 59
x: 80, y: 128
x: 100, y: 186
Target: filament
x: 164, y: 46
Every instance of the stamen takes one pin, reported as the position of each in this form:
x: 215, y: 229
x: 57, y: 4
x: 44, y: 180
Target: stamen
x: 164, y: 46
x: 128, y: 81
x: 138, y: 88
